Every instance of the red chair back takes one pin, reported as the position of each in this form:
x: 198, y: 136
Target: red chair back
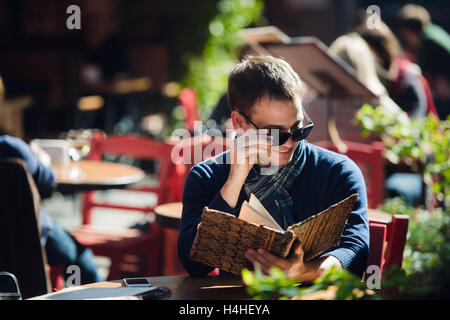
x: 378, y: 233
x: 188, y: 100
x: 388, y: 234
x: 369, y: 158
x: 133, y: 146
x: 192, y: 151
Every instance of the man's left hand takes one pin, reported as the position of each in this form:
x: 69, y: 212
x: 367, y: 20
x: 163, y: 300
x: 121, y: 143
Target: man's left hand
x: 293, y: 266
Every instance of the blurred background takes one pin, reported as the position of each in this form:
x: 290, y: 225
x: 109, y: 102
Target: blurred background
x: 148, y: 67
x: 157, y: 44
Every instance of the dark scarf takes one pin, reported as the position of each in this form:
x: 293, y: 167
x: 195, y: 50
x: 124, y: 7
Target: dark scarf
x: 273, y: 190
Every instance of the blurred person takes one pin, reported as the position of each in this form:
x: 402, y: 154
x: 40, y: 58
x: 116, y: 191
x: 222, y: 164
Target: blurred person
x: 428, y: 45
x: 103, y: 56
x: 402, y: 78
x: 355, y: 52
x: 60, y: 246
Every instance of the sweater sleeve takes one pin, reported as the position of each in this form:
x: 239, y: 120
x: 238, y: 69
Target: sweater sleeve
x: 202, y: 188
x: 42, y: 175
x: 353, y: 249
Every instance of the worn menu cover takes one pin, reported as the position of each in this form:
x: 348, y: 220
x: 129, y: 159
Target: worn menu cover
x: 222, y: 238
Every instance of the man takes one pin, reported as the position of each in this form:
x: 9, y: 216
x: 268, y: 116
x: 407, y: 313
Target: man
x: 264, y: 94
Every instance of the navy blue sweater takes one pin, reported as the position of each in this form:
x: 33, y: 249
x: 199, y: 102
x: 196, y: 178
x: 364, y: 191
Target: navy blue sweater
x: 12, y: 147
x: 326, y: 179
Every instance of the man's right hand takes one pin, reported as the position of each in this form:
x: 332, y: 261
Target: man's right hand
x: 244, y: 153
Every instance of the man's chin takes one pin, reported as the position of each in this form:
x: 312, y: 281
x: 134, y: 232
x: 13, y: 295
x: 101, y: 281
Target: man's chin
x: 274, y: 161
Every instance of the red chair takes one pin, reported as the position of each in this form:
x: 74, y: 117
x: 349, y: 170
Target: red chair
x: 378, y: 233
x: 189, y: 102
x: 369, y: 158
x: 388, y: 234
x: 189, y: 152
x: 119, y: 245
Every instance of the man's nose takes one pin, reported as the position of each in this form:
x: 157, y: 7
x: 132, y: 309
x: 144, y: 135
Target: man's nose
x: 289, y: 143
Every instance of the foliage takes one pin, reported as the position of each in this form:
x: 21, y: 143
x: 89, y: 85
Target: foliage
x: 349, y: 286
x: 424, y: 144
x: 271, y: 287
x: 207, y: 73
x: 277, y: 286
x: 426, y: 256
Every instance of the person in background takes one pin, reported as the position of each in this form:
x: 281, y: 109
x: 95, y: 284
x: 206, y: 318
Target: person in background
x: 402, y: 78
x: 356, y: 53
x: 428, y: 45
x: 61, y: 248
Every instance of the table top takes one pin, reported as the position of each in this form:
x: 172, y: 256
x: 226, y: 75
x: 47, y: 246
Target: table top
x: 226, y: 287
x: 168, y: 215
x: 223, y: 287
x: 88, y: 175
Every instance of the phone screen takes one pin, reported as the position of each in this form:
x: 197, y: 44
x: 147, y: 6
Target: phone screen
x: 137, y: 282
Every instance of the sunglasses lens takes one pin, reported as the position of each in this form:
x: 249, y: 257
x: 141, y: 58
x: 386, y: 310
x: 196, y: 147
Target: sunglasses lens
x: 279, y: 138
x: 301, y: 134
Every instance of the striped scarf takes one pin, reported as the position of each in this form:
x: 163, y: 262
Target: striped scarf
x: 273, y: 190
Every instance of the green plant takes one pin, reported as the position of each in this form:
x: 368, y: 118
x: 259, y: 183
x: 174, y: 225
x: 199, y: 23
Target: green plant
x: 277, y: 286
x: 271, y: 287
x: 348, y: 286
x: 424, y: 272
x: 207, y: 73
x: 423, y: 144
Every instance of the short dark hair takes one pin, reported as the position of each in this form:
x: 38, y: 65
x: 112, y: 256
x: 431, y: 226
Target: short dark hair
x: 258, y: 76
x: 414, y: 17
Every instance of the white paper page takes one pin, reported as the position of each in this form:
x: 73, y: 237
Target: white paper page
x: 250, y: 214
x: 259, y: 208
x: 82, y: 293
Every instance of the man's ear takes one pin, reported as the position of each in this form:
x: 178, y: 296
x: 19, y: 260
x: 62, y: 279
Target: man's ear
x: 238, y: 120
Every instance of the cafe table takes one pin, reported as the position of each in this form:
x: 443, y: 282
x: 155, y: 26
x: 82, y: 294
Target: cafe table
x: 168, y: 216
x: 88, y: 175
x: 182, y: 287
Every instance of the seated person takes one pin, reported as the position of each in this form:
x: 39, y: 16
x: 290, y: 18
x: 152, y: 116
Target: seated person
x: 264, y: 93
x: 402, y: 78
x: 61, y: 248
x: 428, y: 45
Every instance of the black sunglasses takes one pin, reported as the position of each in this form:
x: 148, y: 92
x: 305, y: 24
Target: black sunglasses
x: 280, y: 137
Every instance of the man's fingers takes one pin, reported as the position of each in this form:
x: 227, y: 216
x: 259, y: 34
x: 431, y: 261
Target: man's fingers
x: 273, y: 260
x: 266, y: 260
x: 298, y: 251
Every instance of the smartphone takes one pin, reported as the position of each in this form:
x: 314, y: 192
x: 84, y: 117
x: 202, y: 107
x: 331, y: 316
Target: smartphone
x: 136, y: 282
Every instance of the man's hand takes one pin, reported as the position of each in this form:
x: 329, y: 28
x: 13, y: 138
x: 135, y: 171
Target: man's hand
x: 294, y: 266
x: 244, y: 153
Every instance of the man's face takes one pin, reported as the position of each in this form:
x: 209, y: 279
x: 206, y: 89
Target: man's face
x: 283, y: 115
